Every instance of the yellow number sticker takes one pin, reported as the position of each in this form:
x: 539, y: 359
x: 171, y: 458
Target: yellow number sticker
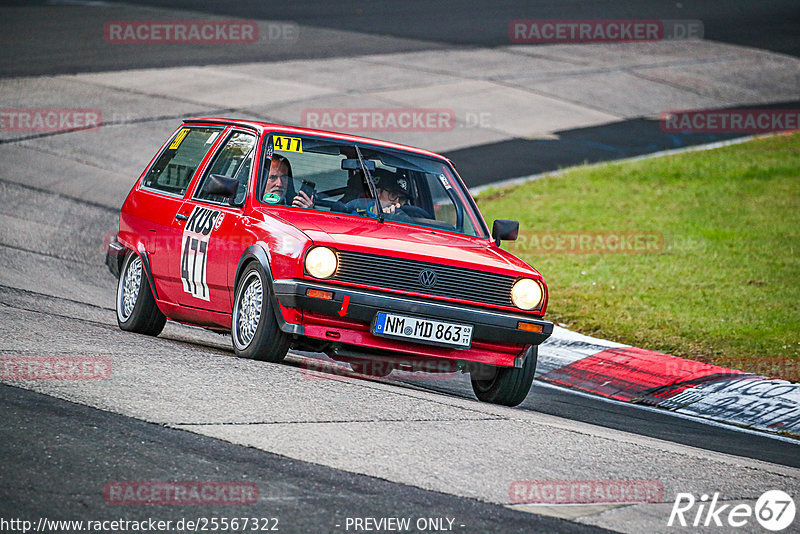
x: 287, y: 144
x: 179, y: 139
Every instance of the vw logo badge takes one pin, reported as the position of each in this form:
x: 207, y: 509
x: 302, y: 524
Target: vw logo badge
x: 427, y: 278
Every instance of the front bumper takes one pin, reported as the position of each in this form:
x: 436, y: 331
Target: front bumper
x: 489, y: 325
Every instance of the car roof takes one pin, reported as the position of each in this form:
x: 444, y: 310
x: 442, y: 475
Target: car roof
x: 267, y: 126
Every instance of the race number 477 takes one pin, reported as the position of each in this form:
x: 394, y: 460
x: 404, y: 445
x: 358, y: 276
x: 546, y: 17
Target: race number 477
x: 194, y: 257
x: 194, y: 250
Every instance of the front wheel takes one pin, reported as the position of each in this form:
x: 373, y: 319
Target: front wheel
x: 254, y: 329
x: 136, y: 308
x: 505, y: 385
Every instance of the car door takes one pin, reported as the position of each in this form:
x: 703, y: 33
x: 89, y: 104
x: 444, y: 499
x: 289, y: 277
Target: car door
x: 162, y: 193
x: 207, y: 228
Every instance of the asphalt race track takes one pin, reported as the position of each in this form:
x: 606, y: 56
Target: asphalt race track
x: 322, y: 446
x: 305, y: 497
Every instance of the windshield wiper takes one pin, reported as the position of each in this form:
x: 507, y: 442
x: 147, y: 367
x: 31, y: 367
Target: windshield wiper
x: 372, y: 189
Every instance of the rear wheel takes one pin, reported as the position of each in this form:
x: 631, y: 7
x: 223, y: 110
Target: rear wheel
x: 505, y: 385
x: 254, y: 329
x: 136, y: 308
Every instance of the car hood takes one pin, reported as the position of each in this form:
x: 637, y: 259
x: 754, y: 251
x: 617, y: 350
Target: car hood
x: 413, y: 242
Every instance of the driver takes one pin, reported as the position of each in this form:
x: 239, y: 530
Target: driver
x: 393, y: 192
x: 280, y: 173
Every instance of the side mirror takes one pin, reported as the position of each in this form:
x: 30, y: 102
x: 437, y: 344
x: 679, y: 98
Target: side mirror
x: 218, y: 184
x: 505, y: 230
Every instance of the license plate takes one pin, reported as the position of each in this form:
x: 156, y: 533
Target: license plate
x: 422, y: 330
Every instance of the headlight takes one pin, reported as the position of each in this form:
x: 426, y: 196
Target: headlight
x: 321, y: 262
x: 526, y: 294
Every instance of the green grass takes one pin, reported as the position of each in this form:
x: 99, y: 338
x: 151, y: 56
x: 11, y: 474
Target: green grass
x: 725, y: 286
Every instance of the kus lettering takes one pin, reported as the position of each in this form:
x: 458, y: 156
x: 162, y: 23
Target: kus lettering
x: 202, y: 221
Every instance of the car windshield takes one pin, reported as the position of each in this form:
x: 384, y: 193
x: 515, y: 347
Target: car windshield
x: 322, y: 174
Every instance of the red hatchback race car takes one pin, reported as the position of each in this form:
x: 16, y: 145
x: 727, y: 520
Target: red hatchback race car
x: 365, y: 250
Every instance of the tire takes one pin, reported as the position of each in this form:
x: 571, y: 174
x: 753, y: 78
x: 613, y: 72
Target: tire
x: 136, y: 308
x: 506, y: 385
x: 254, y: 329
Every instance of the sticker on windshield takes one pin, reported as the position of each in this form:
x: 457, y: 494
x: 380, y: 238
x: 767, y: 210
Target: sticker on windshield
x: 445, y: 182
x: 287, y: 144
x: 212, y: 137
x: 179, y: 139
x: 272, y: 198
x: 194, y: 250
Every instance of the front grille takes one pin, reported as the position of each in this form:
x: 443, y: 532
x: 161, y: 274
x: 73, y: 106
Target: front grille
x: 451, y: 282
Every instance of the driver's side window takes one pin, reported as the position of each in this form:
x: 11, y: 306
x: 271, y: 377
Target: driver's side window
x: 234, y: 160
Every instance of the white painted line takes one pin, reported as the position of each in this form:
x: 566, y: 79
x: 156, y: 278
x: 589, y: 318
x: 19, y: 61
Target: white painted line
x: 702, y: 420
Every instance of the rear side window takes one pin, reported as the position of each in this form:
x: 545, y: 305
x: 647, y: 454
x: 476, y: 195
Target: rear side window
x: 234, y: 160
x: 173, y: 170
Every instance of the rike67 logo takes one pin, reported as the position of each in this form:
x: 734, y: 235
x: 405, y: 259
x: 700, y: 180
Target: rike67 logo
x: 774, y: 510
x: 194, y: 250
